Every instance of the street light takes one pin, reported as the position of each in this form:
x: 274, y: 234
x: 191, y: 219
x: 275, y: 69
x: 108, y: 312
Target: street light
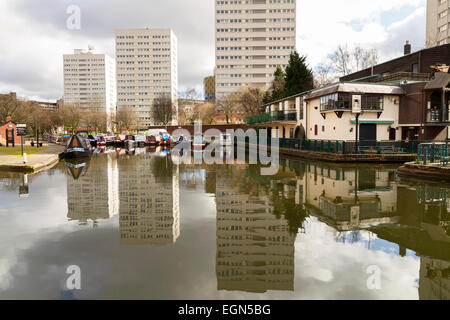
x: 357, y: 111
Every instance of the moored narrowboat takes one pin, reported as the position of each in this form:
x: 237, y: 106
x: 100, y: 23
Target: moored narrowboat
x: 78, y: 146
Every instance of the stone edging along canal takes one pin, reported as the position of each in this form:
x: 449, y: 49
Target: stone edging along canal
x: 345, y: 158
x: 349, y: 158
x: 36, y: 162
x: 31, y: 168
x: 427, y: 172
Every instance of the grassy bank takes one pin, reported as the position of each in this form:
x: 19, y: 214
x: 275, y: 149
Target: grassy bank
x: 17, y: 151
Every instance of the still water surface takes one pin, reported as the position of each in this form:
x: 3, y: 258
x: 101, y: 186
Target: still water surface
x: 142, y: 227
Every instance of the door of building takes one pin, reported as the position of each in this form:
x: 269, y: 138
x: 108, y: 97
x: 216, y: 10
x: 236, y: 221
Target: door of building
x: 368, y: 132
x: 392, y: 134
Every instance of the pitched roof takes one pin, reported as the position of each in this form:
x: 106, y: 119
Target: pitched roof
x: 354, y: 87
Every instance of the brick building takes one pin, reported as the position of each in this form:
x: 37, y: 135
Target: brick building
x: 8, y: 133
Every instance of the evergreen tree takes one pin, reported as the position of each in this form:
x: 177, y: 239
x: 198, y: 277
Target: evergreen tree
x: 267, y: 97
x: 278, y: 84
x: 299, y: 77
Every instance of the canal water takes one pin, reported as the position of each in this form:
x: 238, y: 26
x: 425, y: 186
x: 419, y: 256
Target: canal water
x: 141, y: 226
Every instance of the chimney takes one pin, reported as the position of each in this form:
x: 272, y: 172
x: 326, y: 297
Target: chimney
x: 407, y: 47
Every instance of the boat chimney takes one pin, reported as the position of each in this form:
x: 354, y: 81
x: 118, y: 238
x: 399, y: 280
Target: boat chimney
x: 407, y: 48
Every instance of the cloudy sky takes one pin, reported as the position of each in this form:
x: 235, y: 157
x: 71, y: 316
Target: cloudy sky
x: 34, y: 34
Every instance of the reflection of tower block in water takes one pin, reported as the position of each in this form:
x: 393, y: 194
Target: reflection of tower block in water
x: 255, y: 249
x: 149, y: 201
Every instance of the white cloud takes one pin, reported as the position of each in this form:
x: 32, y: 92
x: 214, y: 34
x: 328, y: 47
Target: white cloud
x: 355, y: 22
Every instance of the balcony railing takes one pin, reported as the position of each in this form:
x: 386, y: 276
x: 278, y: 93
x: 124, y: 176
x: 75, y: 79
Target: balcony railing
x: 273, y: 117
x: 438, y: 115
x: 325, y: 108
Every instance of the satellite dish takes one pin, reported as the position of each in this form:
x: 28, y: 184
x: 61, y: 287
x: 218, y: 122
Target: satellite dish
x: 91, y: 47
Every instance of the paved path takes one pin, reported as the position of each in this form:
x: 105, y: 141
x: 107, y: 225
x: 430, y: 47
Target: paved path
x: 36, y: 162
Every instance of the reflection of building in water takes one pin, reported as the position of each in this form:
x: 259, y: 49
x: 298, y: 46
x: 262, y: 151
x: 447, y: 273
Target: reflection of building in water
x: 426, y: 207
x: 434, y: 283
x: 149, y: 201
x: 424, y: 228
x: 94, y: 194
x: 350, y: 198
x: 255, y: 250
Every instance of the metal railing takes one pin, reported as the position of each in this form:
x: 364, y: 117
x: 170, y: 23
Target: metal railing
x: 433, y: 153
x: 273, y: 116
x: 349, y: 147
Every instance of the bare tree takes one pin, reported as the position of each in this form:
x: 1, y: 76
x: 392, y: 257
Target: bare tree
x: 345, y: 61
x: 250, y: 100
x: 12, y: 107
x: 126, y: 118
x: 341, y: 60
x: 227, y: 105
x: 38, y: 121
x: 57, y: 120
x: 188, y: 110
x: 207, y: 113
x: 163, y: 110
x: 97, y: 120
x: 363, y: 58
x: 323, y: 76
x: 71, y: 116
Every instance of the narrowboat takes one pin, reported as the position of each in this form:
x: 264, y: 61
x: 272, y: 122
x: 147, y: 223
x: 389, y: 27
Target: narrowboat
x: 93, y: 140
x: 101, y: 141
x: 166, y: 139
x: 151, y: 140
x: 140, y: 139
x: 155, y: 135
x: 78, y: 146
x: 130, y: 141
x: 110, y: 138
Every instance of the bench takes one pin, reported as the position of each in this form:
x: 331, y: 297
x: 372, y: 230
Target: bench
x: 33, y: 143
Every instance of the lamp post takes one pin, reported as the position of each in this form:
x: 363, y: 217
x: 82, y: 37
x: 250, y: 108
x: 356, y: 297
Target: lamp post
x: 356, y: 110
x: 357, y: 133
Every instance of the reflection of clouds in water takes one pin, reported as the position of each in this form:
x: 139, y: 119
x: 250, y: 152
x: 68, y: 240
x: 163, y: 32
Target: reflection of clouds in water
x: 318, y: 249
x: 37, y: 245
x: 187, y: 268
x: 5, y: 276
x: 25, y: 221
